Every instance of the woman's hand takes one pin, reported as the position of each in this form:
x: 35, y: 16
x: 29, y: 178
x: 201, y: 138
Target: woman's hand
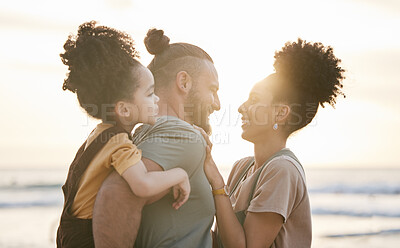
x: 210, y: 168
x: 181, y: 192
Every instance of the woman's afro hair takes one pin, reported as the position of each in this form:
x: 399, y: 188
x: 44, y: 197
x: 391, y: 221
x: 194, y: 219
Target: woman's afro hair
x: 312, y: 69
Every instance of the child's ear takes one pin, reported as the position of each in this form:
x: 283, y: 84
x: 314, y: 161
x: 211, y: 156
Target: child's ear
x: 183, y: 82
x: 121, y: 109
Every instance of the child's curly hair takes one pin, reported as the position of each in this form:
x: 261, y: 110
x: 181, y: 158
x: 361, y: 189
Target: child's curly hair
x: 309, y: 76
x: 102, y: 68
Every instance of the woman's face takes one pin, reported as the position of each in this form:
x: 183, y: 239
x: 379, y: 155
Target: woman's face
x: 257, y: 113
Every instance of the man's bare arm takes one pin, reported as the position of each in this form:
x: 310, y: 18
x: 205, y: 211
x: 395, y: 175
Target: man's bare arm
x: 117, y: 211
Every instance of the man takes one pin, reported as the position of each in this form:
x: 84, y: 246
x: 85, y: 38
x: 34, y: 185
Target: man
x: 187, y: 83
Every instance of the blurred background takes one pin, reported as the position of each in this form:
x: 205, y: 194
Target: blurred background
x: 349, y: 153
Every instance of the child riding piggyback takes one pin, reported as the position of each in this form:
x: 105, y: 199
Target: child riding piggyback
x: 111, y: 86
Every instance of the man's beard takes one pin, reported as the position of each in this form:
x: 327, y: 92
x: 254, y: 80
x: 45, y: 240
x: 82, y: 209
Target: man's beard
x: 201, y: 112
x: 201, y: 118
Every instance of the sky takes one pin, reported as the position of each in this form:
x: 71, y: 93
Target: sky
x: 43, y: 126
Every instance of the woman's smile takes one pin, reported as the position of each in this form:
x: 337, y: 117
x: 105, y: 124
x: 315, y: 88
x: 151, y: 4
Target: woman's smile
x: 245, y: 122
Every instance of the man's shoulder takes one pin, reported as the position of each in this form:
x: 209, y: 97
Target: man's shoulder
x: 167, y: 128
x: 173, y: 124
x: 171, y: 143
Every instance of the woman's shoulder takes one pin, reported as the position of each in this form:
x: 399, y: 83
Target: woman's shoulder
x: 283, y: 166
x: 241, y: 163
x: 238, y: 166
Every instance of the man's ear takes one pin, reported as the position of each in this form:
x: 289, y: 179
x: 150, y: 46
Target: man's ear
x: 282, y: 112
x: 184, y: 82
x: 121, y: 109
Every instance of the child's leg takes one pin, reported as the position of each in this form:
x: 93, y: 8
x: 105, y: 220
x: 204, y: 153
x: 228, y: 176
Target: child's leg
x: 116, y: 214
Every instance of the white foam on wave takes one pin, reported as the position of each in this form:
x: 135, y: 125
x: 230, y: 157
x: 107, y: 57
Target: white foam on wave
x: 374, y: 188
x: 360, y: 205
x: 356, y: 213
x: 30, y: 197
x: 381, y: 232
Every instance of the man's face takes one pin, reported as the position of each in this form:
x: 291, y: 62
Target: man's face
x: 203, y: 97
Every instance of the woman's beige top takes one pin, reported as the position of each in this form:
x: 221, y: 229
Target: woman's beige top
x: 280, y: 189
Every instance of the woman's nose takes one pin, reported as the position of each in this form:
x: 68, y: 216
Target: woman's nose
x: 241, y: 108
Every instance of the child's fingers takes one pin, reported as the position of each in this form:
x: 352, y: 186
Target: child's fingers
x: 181, y: 200
x: 175, y: 192
x: 177, y: 205
x: 177, y: 199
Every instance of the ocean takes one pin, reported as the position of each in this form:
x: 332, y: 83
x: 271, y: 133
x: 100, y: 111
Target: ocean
x: 350, y: 207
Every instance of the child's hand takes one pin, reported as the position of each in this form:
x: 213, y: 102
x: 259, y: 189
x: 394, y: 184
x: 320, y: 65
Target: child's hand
x: 181, y: 193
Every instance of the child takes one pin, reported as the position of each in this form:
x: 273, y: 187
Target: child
x: 112, y: 86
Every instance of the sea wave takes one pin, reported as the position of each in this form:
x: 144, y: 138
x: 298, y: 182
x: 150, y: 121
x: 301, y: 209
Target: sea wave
x: 377, y: 188
x: 381, y: 232
x: 357, y: 213
x: 28, y: 204
x: 31, y: 195
x: 31, y: 186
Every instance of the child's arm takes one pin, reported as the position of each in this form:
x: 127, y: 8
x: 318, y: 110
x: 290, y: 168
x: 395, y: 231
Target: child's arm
x: 146, y: 184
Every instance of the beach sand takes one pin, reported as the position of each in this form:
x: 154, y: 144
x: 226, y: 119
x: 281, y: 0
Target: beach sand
x: 333, y: 231
x: 35, y: 227
x: 351, y: 208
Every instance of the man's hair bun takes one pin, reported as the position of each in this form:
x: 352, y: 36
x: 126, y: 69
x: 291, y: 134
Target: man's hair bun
x: 156, y: 42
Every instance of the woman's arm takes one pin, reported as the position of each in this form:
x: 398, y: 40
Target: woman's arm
x: 262, y: 228
x: 259, y: 229
x: 146, y: 184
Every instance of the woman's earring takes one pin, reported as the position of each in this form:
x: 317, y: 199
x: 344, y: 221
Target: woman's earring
x: 275, y: 127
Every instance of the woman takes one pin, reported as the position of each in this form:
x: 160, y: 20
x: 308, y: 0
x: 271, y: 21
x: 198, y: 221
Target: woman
x: 268, y: 204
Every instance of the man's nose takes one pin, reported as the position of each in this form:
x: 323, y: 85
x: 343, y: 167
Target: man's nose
x: 216, y: 104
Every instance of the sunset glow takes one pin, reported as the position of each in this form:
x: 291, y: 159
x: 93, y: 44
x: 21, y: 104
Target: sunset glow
x: 42, y: 125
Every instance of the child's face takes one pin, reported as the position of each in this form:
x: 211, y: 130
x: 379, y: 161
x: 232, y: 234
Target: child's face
x: 144, y: 108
